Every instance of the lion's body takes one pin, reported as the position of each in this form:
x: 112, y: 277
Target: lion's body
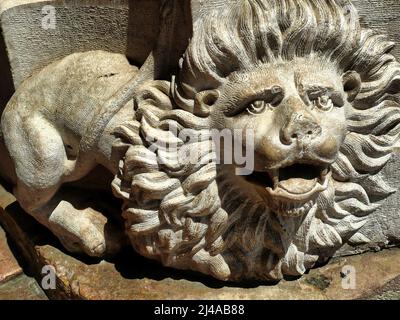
x: 57, y: 126
x: 54, y: 130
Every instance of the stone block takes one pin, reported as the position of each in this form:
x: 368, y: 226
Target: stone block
x: 79, y: 26
x: 9, y: 267
x: 21, y: 288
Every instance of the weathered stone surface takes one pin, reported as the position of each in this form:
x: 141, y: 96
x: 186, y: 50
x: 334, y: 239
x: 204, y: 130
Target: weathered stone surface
x: 382, y: 16
x: 130, y: 276
x: 391, y: 291
x: 120, y: 26
x: 21, y: 288
x: 33, y: 47
x: 379, y: 15
x: 384, y: 226
x: 319, y: 150
x: 117, y: 30
x: 6, y: 82
x: 9, y: 267
x: 104, y: 280
x: 319, y: 157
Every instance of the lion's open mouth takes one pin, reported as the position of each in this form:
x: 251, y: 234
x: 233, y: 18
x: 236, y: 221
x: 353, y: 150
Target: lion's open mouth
x: 294, y: 183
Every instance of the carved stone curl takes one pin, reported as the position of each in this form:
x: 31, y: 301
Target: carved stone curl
x: 317, y: 91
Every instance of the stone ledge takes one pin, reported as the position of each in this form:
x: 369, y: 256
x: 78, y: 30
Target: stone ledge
x: 9, y: 267
x: 21, y: 288
x: 391, y: 291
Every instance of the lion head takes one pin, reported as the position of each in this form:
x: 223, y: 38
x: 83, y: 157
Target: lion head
x: 319, y: 94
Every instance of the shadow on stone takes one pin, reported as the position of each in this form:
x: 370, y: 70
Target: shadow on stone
x: 143, y: 28
x: 6, y: 81
x: 133, y: 266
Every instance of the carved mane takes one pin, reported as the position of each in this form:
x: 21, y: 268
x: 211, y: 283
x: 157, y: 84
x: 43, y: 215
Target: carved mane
x: 189, y: 215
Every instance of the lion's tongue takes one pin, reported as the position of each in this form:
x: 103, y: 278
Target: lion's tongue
x: 298, y: 185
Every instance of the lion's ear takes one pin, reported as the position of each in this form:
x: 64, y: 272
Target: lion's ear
x: 351, y: 84
x: 203, y: 102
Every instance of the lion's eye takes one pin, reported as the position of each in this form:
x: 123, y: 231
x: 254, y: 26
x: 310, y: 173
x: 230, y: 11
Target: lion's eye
x: 257, y: 107
x: 324, y: 103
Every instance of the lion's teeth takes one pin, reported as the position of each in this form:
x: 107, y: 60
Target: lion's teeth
x: 275, y: 177
x: 289, y: 209
x: 324, y: 173
x: 275, y: 180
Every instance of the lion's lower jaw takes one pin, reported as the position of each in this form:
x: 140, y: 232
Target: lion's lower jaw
x: 291, y: 209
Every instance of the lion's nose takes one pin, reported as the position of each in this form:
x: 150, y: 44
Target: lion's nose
x: 300, y: 126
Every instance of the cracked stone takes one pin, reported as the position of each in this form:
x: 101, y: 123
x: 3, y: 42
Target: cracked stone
x: 9, y: 267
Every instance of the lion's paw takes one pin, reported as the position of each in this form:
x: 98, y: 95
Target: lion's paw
x: 82, y: 231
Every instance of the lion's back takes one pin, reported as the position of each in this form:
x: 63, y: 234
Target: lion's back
x: 74, y: 89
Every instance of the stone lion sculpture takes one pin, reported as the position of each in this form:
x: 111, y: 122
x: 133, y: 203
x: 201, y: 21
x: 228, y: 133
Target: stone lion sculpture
x: 318, y: 93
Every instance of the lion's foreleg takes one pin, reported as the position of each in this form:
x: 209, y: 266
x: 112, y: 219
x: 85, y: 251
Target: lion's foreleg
x: 42, y: 165
x: 79, y: 226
